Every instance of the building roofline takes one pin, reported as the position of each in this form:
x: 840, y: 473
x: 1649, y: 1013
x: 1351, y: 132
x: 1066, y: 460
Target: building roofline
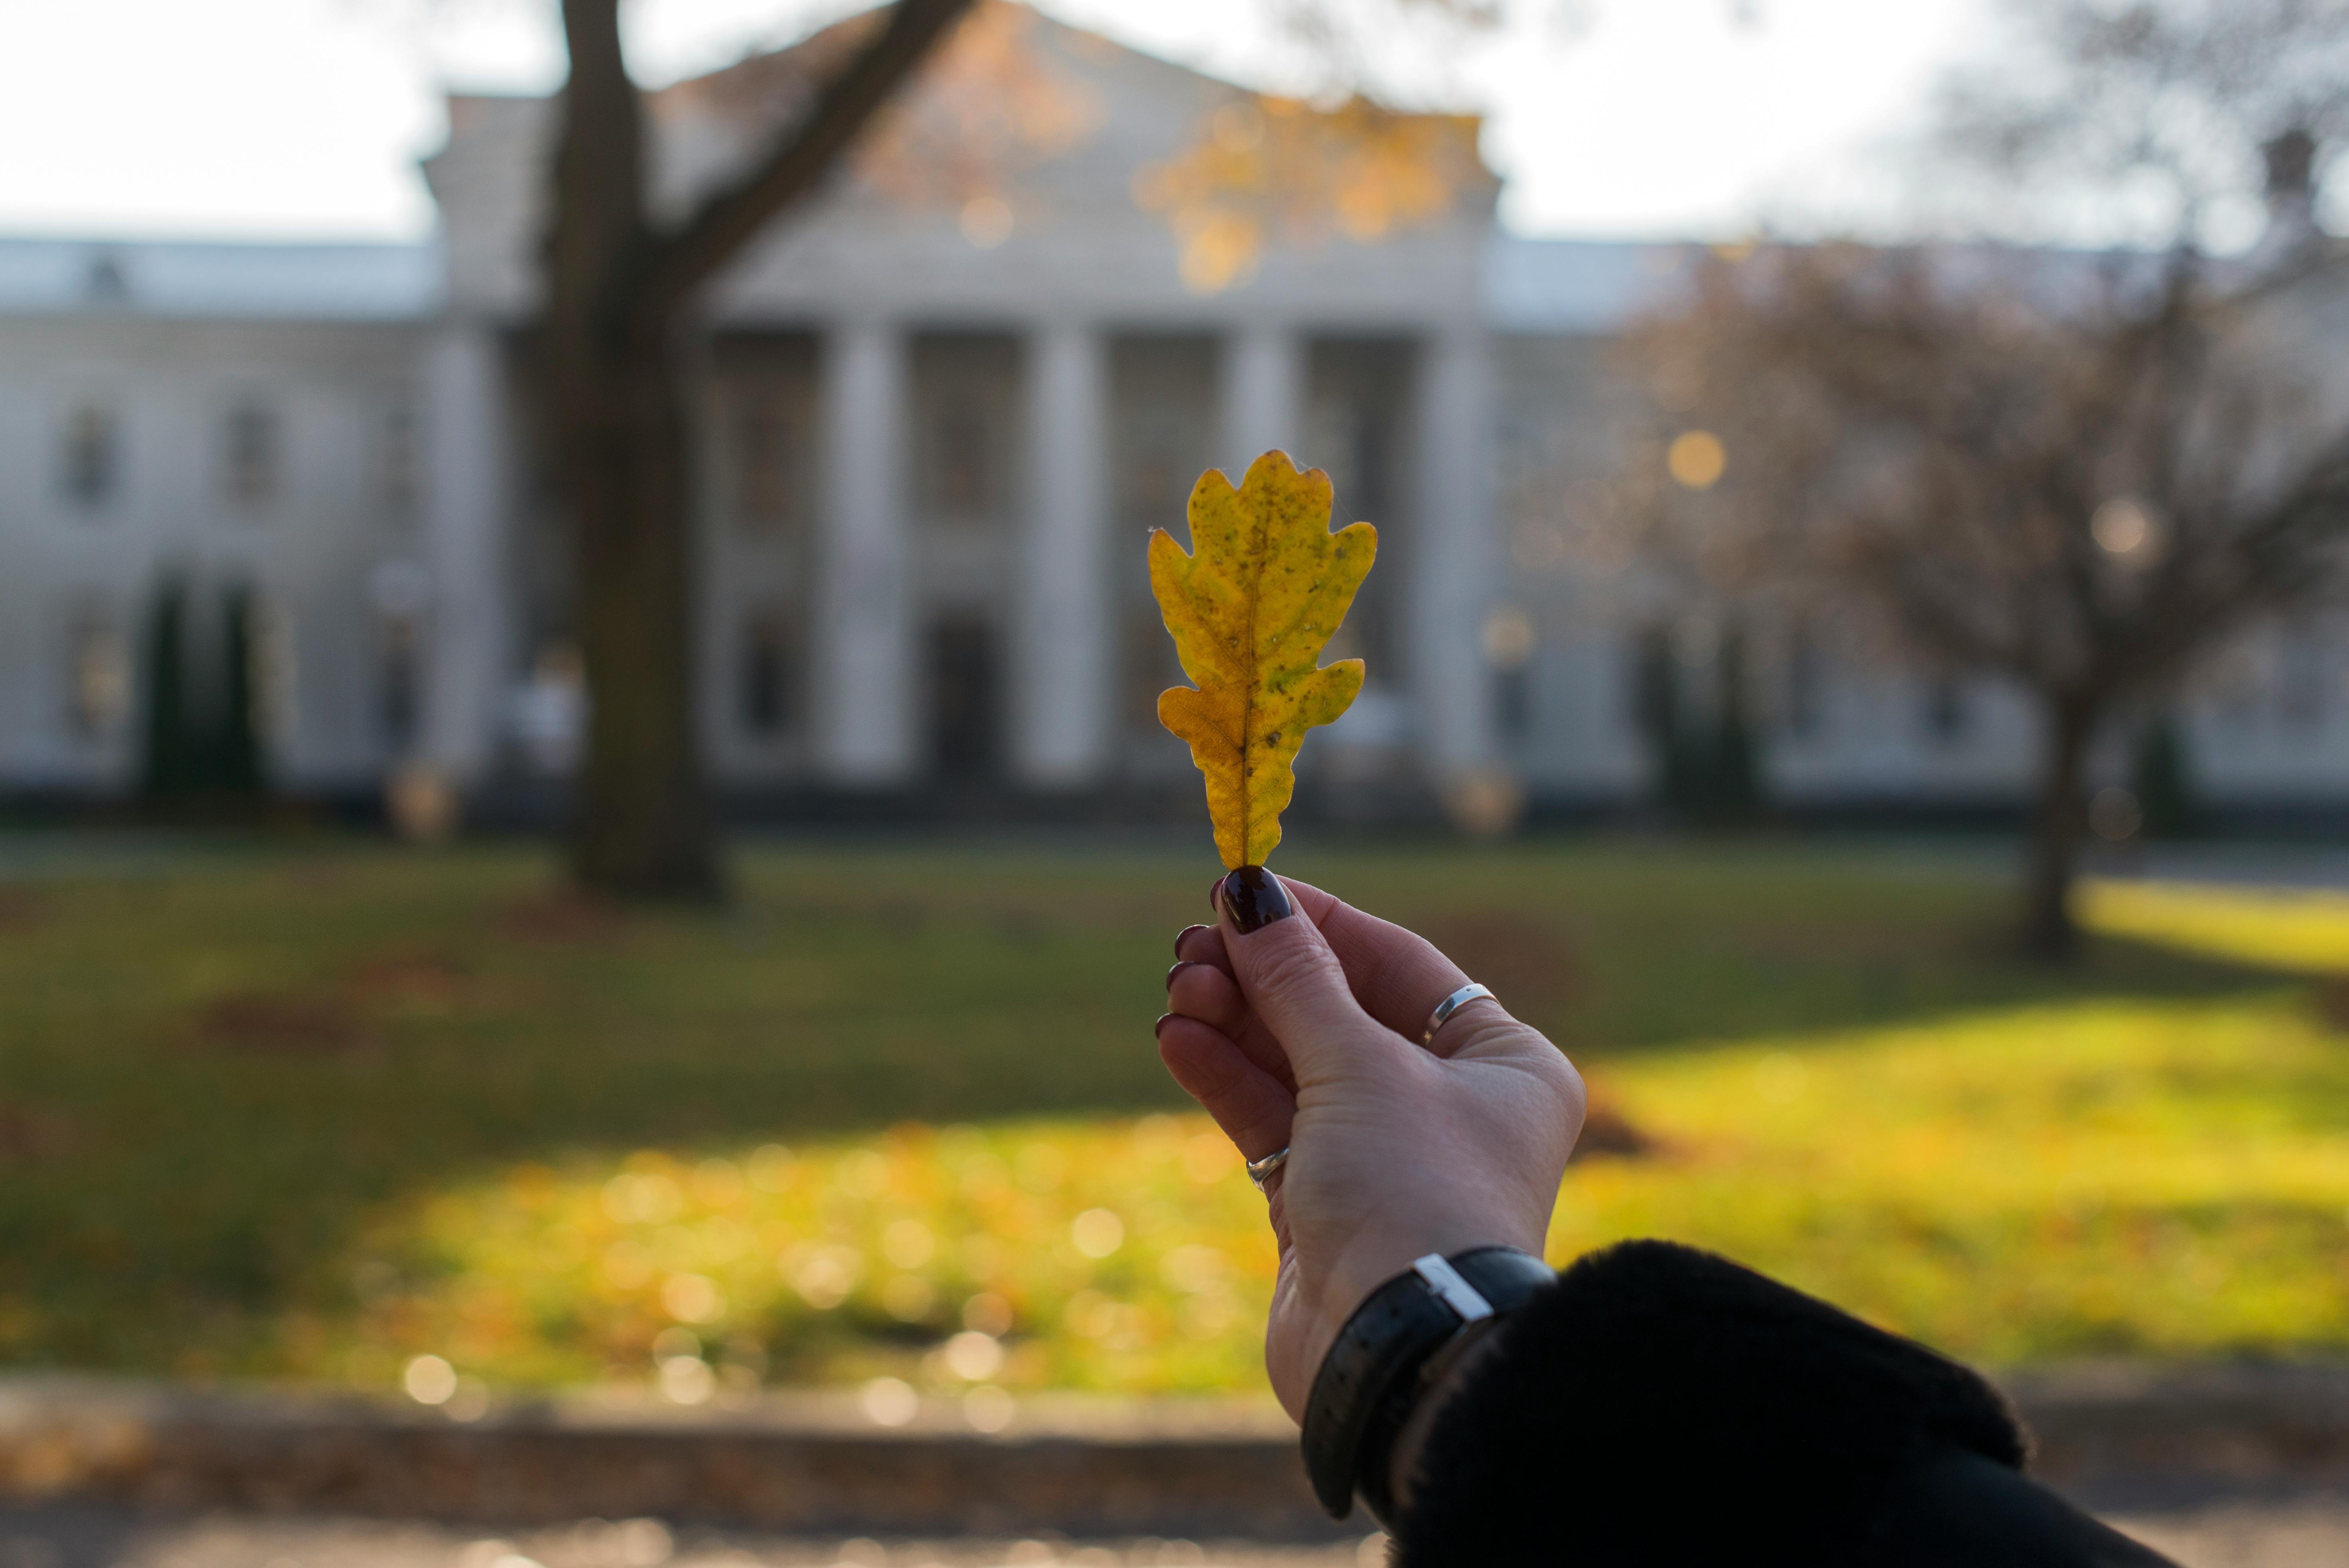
x: 255, y: 280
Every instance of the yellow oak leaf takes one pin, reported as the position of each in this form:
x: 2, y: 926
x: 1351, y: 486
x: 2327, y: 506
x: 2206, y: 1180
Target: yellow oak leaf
x: 1251, y: 608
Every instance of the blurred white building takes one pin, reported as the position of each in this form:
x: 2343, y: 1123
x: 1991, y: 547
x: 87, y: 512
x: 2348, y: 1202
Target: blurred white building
x: 936, y: 429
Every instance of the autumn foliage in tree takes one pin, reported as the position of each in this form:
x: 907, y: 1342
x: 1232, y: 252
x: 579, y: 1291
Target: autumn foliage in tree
x: 1278, y: 170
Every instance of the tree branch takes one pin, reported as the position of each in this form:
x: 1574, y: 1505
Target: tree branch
x: 598, y: 169
x: 733, y: 215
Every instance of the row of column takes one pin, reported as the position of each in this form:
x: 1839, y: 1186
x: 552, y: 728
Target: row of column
x: 1062, y: 622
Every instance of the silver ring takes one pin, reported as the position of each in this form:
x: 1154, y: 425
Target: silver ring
x: 1260, y: 1171
x: 1470, y: 992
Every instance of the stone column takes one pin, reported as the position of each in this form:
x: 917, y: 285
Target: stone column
x: 1062, y: 649
x: 1455, y: 552
x: 1263, y: 395
x: 864, y: 615
x: 465, y: 434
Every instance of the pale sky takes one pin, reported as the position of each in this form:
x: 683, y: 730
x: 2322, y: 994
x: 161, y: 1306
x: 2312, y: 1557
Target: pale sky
x: 304, y: 118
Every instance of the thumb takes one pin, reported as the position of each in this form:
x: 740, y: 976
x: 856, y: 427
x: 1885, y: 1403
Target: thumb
x: 1288, y: 972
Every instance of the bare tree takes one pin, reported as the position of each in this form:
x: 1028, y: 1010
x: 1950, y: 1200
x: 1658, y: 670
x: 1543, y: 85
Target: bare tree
x: 620, y: 287
x: 2076, y: 472
x: 2080, y: 492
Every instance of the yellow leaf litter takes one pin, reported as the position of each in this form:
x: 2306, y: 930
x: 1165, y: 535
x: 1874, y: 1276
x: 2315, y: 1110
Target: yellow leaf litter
x: 1251, y: 608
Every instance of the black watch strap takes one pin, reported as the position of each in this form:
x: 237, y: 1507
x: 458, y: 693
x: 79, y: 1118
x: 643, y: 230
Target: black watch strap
x: 1371, y: 1376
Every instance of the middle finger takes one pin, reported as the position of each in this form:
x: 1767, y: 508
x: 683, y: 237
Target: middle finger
x: 1198, y: 990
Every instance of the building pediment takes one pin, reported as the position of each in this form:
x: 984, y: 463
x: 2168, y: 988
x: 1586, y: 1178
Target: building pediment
x: 1031, y: 165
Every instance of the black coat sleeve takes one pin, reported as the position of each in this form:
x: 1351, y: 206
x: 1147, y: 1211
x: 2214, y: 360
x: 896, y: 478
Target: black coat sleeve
x: 1662, y: 1406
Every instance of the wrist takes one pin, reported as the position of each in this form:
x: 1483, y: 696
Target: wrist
x: 1377, y: 1370
x: 1363, y: 1267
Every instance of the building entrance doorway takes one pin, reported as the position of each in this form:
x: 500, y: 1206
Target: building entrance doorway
x: 964, y: 700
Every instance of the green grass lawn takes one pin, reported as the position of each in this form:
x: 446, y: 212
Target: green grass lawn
x: 313, y: 1113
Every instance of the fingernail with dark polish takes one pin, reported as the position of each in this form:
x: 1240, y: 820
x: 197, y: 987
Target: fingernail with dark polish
x: 1160, y: 1024
x: 1180, y: 965
x: 1213, y: 888
x: 1185, y: 931
x: 1254, y: 898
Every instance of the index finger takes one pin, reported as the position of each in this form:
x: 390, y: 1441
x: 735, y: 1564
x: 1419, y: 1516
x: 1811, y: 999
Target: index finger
x: 1396, y: 975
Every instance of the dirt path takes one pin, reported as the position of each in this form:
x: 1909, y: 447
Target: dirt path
x: 2311, y: 1532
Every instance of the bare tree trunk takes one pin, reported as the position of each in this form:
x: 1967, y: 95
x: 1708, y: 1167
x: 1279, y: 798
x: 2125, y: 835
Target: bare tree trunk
x: 2048, y: 931
x: 644, y: 828
x: 619, y: 290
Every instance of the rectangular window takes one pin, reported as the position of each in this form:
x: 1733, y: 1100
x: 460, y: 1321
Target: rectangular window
x: 763, y: 418
x: 1154, y: 485
x: 963, y: 698
x: 272, y: 669
x: 1151, y: 664
x: 1947, y: 714
x: 1162, y: 423
x: 1358, y: 396
x: 770, y: 673
x: 768, y: 459
x: 965, y: 429
x: 398, y: 459
x: 1513, y: 704
x: 1802, y: 672
x: 250, y: 455
x: 1652, y: 696
x: 97, y: 675
x: 90, y: 459
x: 1510, y: 640
x: 400, y: 682
x: 2230, y: 686
x: 962, y: 485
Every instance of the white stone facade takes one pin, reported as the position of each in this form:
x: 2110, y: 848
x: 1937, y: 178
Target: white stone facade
x: 927, y: 467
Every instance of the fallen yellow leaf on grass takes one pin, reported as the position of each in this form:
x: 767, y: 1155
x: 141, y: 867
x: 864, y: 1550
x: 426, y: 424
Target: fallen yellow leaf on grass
x: 1251, y: 608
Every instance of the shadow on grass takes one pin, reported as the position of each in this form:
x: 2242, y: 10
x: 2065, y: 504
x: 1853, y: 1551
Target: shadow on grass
x: 222, y: 1068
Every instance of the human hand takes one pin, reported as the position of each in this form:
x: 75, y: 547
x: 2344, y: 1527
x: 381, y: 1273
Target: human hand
x: 1295, y: 1022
